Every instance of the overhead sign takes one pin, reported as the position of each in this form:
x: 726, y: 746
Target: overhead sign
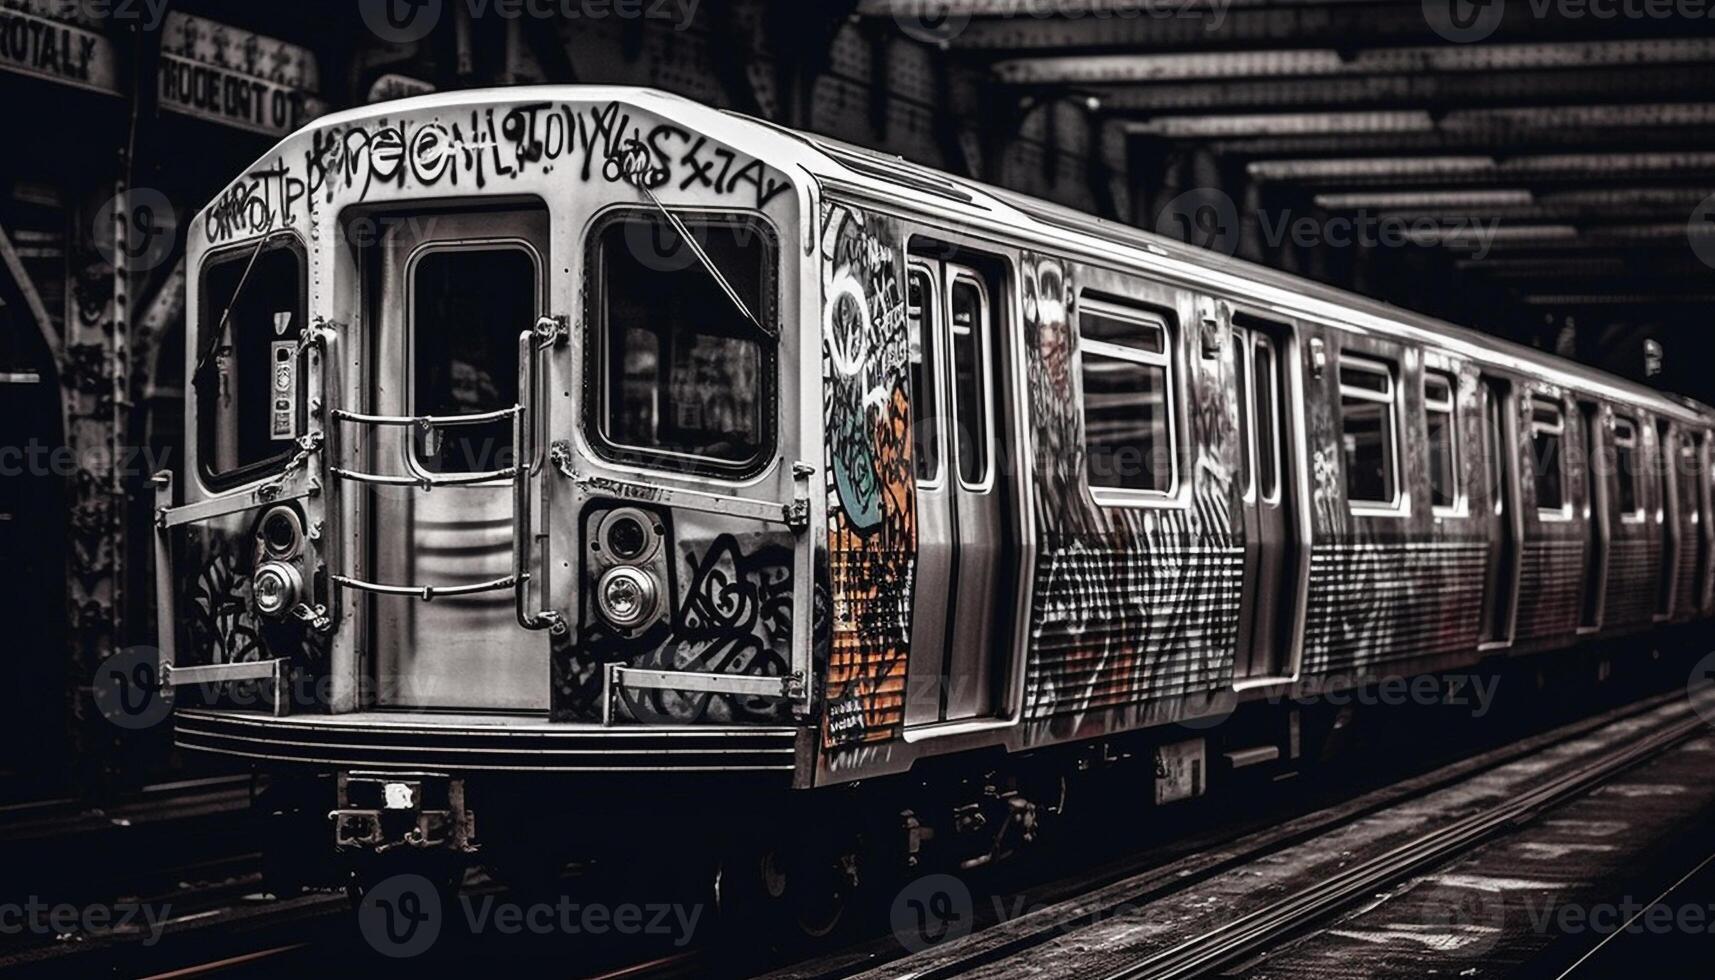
x: 56, y: 50
x: 237, y: 77
x: 393, y: 86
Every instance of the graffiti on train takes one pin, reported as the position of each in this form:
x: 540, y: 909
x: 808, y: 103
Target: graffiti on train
x: 734, y: 616
x: 872, y: 538
x: 1124, y: 608
x: 485, y: 147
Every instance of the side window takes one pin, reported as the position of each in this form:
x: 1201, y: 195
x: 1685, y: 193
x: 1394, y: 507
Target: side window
x: 1547, y: 433
x: 1367, y: 431
x: 464, y: 350
x: 970, y: 329
x: 922, y: 313
x: 1627, y: 472
x: 1128, y: 415
x: 1443, y: 439
x: 1266, y: 379
x: 683, y: 379
x: 248, y: 393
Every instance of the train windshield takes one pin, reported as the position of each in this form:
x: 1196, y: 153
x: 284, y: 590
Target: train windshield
x: 246, y: 381
x: 687, y: 374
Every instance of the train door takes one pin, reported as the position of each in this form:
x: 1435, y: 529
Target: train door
x: 1598, y: 521
x: 1272, y: 546
x: 959, y: 636
x: 1667, y: 514
x: 1502, y: 520
x: 449, y: 294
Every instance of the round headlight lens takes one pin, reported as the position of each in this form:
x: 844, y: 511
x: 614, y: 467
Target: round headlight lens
x: 275, y: 588
x: 627, y: 596
x: 626, y: 537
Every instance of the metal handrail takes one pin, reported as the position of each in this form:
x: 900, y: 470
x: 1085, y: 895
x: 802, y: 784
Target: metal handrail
x: 544, y: 335
x: 427, y: 593
x: 429, y: 421
x: 427, y: 481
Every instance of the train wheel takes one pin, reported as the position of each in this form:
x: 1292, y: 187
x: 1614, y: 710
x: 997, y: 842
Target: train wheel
x: 800, y: 893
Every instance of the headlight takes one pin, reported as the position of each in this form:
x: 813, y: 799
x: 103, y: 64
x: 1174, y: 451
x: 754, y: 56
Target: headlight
x: 627, y: 596
x: 275, y: 588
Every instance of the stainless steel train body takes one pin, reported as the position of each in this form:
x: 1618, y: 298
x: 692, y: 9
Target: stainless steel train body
x: 490, y: 472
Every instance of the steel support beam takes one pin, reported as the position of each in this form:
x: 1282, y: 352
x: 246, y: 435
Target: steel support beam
x: 1436, y: 93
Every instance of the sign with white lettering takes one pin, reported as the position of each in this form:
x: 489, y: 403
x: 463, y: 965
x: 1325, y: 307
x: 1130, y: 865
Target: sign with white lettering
x: 228, y: 75
x: 393, y: 86
x: 58, y: 51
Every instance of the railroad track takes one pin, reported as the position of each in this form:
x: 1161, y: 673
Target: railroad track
x: 1218, y: 855
x: 1264, y: 928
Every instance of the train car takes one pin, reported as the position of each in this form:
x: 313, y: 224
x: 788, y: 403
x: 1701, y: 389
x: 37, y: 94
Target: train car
x: 635, y: 474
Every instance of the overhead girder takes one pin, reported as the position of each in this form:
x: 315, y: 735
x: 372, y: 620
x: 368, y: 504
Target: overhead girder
x: 1534, y: 140
x: 1436, y: 93
x: 1331, y: 63
x: 1511, y: 122
x: 1468, y: 169
x: 1205, y: 25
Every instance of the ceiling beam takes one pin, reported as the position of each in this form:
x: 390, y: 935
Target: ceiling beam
x: 1330, y: 63
x: 1510, y: 122
x: 1479, y: 168
x: 1206, y: 25
x: 1437, y: 93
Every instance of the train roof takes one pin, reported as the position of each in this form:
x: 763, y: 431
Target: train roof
x: 897, y: 182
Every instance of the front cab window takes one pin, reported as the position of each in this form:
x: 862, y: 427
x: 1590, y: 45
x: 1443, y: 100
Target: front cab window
x: 247, y: 378
x: 683, y: 379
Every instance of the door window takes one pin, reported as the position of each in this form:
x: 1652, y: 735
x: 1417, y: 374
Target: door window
x: 970, y: 329
x: 921, y: 321
x: 1547, y: 432
x: 464, y: 350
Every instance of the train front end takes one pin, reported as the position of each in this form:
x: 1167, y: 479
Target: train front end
x: 502, y: 460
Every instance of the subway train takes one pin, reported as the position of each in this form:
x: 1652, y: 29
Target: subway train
x: 638, y: 476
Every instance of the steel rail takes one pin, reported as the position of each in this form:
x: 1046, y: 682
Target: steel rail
x: 1254, y: 933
